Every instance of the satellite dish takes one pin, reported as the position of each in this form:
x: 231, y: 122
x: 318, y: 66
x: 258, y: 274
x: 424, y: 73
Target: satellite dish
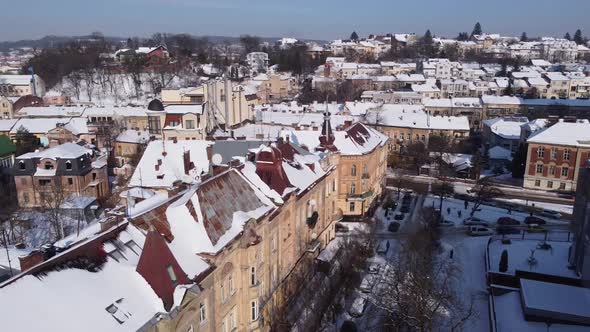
x: 216, y: 159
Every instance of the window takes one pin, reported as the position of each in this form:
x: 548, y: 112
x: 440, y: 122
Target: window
x: 537, y: 183
x: 541, y: 152
x: 273, y: 243
x: 44, y: 182
x: 353, y: 170
x: 554, y: 153
x: 172, y: 275
x: 21, y: 165
x: 70, y: 181
x: 26, y: 198
x: 231, y: 284
x: 202, y: 312
x: 539, y: 168
x: 565, y: 171
x: 549, y: 184
x: 552, y: 170
x: 334, y: 185
x: 562, y: 186
x: 232, y: 320
x: 93, y: 176
x: 351, y: 207
x: 352, y: 188
x: 190, y: 124
x: 566, y: 154
x: 254, y: 310
x: 253, y: 276
x: 222, y: 291
x: 48, y: 165
x: 69, y: 165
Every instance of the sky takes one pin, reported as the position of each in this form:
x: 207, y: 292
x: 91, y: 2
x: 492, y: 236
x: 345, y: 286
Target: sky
x: 304, y: 19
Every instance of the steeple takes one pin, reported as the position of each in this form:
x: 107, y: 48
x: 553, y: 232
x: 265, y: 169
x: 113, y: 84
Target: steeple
x: 327, y: 136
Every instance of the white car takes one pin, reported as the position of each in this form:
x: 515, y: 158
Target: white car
x: 475, y: 221
x: 479, y: 231
x: 358, y: 307
x: 551, y: 214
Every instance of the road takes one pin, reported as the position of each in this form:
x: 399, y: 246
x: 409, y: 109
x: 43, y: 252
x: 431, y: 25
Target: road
x: 461, y: 186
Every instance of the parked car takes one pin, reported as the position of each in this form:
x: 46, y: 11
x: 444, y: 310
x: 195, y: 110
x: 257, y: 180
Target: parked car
x: 551, y: 214
x: 399, y: 216
x: 374, y: 268
x: 535, y: 228
x: 507, y: 230
x: 474, y: 221
x: 367, y: 283
x: 534, y: 220
x: 508, y: 221
x: 358, y: 307
x: 479, y: 231
x: 393, y: 227
x: 445, y: 223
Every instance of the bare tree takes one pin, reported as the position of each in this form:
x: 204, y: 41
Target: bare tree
x: 484, y: 191
x: 416, y: 290
x: 52, y: 197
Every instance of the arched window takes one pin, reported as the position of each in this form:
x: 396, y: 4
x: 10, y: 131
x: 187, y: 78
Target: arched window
x: 69, y: 165
x: 48, y: 165
x: 353, y: 170
x: 352, y: 188
x: 21, y: 165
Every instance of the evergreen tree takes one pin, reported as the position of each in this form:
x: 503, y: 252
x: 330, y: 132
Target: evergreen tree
x: 476, y: 29
x: 567, y: 36
x: 354, y: 36
x: 504, y: 261
x: 427, y: 44
x: 463, y: 36
x: 519, y: 162
x: 578, y: 37
x: 523, y: 37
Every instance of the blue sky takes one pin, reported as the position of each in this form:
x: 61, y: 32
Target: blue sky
x: 314, y: 19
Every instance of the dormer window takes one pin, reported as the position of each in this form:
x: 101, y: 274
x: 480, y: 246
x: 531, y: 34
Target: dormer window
x: 69, y: 165
x: 48, y: 165
x: 21, y: 165
x: 115, y: 309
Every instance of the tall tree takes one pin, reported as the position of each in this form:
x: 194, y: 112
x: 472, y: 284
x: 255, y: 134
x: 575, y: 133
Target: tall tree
x: 578, y: 37
x: 567, y: 36
x: 463, y: 36
x: 354, y: 36
x: 519, y: 161
x: 476, y: 29
x: 524, y: 37
x: 427, y: 44
x: 250, y: 43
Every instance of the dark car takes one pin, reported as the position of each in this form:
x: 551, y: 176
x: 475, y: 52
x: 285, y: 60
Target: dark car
x: 507, y: 230
x: 534, y: 220
x: 399, y: 216
x: 405, y: 209
x: 508, y: 221
x: 393, y: 227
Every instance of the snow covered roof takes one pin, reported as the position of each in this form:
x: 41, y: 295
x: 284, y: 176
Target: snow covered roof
x: 16, y: 79
x: 6, y: 125
x: 425, y: 88
x: 112, y: 111
x: 112, y: 298
x: 564, y: 133
x: 206, y: 218
x: 51, y: 111
x: 506, y: 100
x: 359, y: 108
x: 541, y: 63
x: 537, y: 81
x: 507, y: 128
x: 134, y: 136
x: 45, y: 125
x: 556, y: 76
x: 170, y: 155
x: 66, y: 150
x: 184, y: 109
x: 296, y: 118
x: 413, y: 116
x: 498, y: 152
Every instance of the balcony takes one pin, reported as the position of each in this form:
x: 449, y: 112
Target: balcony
x: 365, y: 176
x: 364, y: 195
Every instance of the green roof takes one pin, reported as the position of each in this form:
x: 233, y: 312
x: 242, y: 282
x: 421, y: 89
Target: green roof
x: 6, y: 146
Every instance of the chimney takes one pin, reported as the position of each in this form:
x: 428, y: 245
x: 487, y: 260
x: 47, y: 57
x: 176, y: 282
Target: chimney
x: 209, y: 152
x: 186, y: 161
x: 34, y: 258
x: 157, y: 167
x: 159, y: 162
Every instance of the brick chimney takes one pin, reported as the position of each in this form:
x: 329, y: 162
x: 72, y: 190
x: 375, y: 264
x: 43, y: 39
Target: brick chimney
x: 186, y: 161
x: 34, y: 258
